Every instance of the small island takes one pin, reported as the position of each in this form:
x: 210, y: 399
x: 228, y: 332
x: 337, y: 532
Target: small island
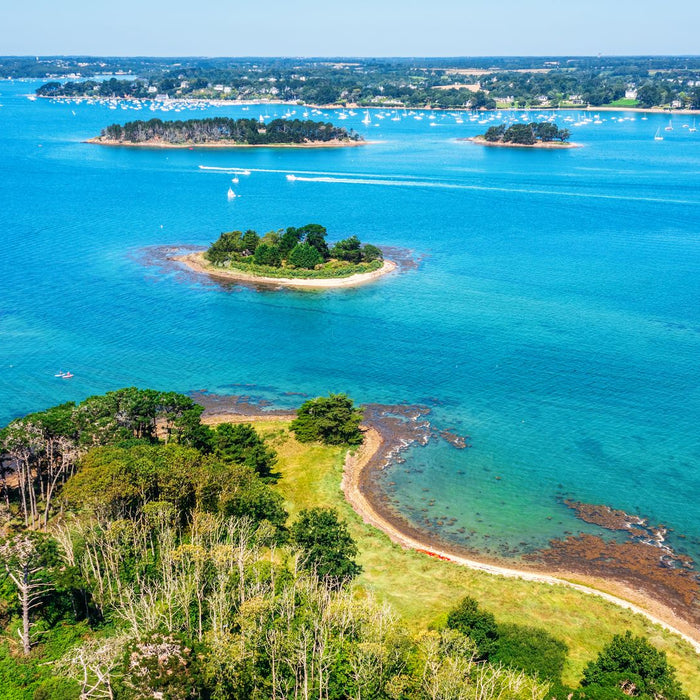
x: 533, y: 135
x: 222, y: 132
x: 291, y: 257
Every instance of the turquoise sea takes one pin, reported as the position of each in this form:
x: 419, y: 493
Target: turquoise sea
x: 554, y: 315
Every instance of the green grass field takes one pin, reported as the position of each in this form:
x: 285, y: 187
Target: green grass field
x: 422, y: 589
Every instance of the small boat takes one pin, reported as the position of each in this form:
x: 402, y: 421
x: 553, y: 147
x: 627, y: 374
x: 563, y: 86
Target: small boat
x: 230, y: 194
x: 658, y: 136
x: 234, y: 180
x: 291, y: 178
x: 67, y: 375
x: 60, y: 373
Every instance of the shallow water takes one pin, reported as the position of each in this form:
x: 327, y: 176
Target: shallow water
x: 554, y: 315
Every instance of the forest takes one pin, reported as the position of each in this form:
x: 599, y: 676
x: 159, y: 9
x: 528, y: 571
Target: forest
x: 213, y: 130
x: 147, y: 554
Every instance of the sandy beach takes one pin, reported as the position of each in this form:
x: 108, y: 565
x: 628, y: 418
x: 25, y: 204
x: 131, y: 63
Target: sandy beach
x: 357, y: 489
x: 196, y: 262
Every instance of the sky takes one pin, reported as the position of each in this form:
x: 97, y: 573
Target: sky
x: 351, y: 28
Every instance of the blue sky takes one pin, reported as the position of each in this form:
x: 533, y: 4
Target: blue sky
x: 352, y: 28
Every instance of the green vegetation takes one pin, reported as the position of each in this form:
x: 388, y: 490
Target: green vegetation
x: 332, y: 420
x: 293, y: 252
x: 224, y: 130
x: 167, y: 564
x: 327, y: 549
x: 629, y: 665
x: 526, y: 134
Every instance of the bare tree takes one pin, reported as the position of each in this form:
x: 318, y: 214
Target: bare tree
x: 23, y: 565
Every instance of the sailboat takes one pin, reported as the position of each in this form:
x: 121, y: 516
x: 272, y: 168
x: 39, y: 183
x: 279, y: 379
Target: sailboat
x: 694, y: 127
x: 230, y: 194
x: 658, y: 136
x: 367, y: 119
x: 670, y: 125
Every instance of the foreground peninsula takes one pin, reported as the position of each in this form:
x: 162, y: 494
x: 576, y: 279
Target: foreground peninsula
x: 532, y: 135
x: 227, y: 133
x: 292, y: 257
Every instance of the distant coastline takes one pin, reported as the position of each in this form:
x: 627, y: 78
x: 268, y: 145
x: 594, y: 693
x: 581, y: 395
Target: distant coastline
x: 197, y: 263
x: 312, y: 105
x: 539, y: 144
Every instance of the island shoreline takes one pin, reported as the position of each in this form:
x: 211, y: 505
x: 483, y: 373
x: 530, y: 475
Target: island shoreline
x: 223, y: 144
x: 195, y: 262
x: 555, y: 145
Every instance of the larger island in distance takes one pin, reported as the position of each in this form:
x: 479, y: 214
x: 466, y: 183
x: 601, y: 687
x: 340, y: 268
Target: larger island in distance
x: 224, y: 132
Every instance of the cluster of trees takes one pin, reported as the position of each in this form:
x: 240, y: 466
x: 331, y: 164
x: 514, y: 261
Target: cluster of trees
x: 304, y: 247
x: 526, y: 134
x: 627, y: 665
x: 244, y: 131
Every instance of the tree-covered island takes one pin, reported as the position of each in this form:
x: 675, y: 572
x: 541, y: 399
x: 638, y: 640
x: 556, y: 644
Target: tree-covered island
x: 535, y: 134
x: 293, y: 256
x: 222, y: 131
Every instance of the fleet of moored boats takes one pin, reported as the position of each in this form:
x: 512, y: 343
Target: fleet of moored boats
x: 434, y: 118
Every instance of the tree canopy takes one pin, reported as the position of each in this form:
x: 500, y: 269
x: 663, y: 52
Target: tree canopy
x: 303, y: 248
x: 217, y: 129
x: 332, y: 420
x: 629, y: 665
x: 526, y: 134
x: 326, y: 545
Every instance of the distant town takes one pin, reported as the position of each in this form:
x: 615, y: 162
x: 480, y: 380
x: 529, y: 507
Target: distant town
x: 645, y: 82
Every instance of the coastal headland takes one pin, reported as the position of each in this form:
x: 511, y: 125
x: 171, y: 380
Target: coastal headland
x: 197, y: 263
x: 387, y: 430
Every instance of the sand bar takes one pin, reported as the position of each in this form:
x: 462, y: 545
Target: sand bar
x: 196, y: 262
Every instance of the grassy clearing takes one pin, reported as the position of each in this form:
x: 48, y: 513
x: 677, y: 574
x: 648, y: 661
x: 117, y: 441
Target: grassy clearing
x: 422, y: 589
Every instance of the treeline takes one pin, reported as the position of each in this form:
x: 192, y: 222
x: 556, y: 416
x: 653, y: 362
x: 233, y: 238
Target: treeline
x: 168, y: 568
x: 520, y: 82
x: 526, y: 134
x: 303, y: 248
x: 243, y: 131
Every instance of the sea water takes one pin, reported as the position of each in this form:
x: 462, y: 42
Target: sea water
x: 553, y: 316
